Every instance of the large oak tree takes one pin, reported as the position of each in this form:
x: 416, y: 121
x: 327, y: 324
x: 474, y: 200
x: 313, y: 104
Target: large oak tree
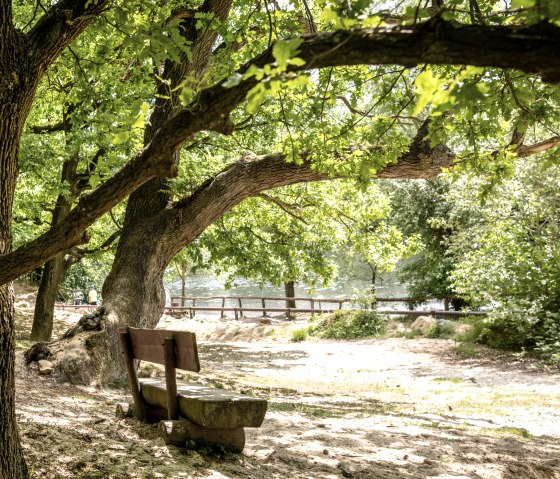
x: 28, y: 49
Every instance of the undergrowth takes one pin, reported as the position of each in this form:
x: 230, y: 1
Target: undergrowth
x: 348, y: 325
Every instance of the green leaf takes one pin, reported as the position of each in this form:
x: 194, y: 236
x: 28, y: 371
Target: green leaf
x: 284, y: 50
x: 233, y: 80
x: 426, y: 84
x: 186, y: 96
x: 120, y: 138
x: 518, y: 4
x: 255, y: 97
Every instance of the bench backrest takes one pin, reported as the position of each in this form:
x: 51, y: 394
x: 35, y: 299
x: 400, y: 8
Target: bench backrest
x: 148, y: 345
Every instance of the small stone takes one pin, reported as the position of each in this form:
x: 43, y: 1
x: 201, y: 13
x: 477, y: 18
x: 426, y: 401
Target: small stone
x: 45, y: 367
x: 326, y: 452
x: 109, y: 402
x: 346, y: 470
x: 265, y: 321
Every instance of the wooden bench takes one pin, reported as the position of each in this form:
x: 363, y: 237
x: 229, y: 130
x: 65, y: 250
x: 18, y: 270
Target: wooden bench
x: 186, y: 411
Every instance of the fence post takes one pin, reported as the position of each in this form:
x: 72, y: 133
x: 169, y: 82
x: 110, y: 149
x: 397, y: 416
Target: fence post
x: 236, y: 314
x: 240, y: 307
x: 194, y: 306
x: 264, y: 307
x: 223, y: 306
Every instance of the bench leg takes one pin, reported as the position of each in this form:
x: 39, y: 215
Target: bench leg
x: 180, y: 431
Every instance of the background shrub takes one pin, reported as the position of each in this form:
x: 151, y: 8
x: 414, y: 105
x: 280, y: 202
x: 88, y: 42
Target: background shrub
x: 348, y: 325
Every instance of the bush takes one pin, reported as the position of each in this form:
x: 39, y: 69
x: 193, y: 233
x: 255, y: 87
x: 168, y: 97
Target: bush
x: 348, y: 325
x: 517, y: 327
x: 440, y: 329
x: 299, y: 335
x: 548, y: 338
x: 511, y: 327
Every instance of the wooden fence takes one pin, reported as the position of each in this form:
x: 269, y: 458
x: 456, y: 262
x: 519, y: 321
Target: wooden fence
x: 316, y: 305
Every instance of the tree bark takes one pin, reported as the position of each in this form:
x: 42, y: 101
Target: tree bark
x: 183, y: 286
x: 290, y: 292
x: 13, y: 110
x: 54, y: 269
x: 12, y: 462
x: 43, y: 315
x: 23, y: 61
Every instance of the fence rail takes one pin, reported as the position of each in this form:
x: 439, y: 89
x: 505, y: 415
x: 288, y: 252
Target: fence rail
x: 315, y: 306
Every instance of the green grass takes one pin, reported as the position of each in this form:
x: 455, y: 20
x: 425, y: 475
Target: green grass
x: 299, y: 335
x: 466, y: 350
x: 450, y: 380
x: 513, y: 431
x: 334, y: 410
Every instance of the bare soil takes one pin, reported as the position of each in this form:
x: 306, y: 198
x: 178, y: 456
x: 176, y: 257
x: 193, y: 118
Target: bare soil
x: 380, y: 408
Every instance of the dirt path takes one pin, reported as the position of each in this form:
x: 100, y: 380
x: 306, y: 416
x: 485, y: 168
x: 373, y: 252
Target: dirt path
x: 384, y: 409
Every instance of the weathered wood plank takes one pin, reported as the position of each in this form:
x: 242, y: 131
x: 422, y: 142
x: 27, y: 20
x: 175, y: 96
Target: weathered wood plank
x: 179, y: 432
x: 148, y: 345
x: 171, y: 379
x: 133, y: 384
x: 208, y: 407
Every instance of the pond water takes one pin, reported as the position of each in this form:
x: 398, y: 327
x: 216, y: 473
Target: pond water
x: 208, y: 285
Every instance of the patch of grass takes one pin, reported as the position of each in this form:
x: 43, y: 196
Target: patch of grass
x: 466, y: 350
x: 299, y: 335
x: 413, y: 333
x: 334, y: 410
x: 450, y: 380
x: 314, y: 411
x: 348, y: 325
x: 515, y: 431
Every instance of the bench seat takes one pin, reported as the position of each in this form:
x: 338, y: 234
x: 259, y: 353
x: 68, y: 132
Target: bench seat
x: 208, y: 407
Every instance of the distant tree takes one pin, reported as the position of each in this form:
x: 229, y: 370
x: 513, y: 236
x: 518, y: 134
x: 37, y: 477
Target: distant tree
x: 422, y: 209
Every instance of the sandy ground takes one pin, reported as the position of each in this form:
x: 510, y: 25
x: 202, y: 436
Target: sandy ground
x: 383, y: 409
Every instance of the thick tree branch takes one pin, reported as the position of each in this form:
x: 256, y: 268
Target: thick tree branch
x: 246, y: 178
x: 527, y: 150
x: 55, y: 127
x: 149, y: 163
x: 59, y: 26
x: 533, y: 49
x: 81, y: 252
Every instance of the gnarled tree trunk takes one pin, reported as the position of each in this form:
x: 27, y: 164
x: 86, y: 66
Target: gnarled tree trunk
x: 14, y: 106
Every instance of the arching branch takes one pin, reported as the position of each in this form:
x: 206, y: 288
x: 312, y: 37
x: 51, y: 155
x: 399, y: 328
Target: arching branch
x: 59, y: 26
x: 532, y: 48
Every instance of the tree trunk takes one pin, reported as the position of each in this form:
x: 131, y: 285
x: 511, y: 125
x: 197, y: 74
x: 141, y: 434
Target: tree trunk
x: 43, y: 316
x: 183, y: 287
x: 290, y: 292
x: 12, y: 109
x: 12, y: 462
x: 54, y: 269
